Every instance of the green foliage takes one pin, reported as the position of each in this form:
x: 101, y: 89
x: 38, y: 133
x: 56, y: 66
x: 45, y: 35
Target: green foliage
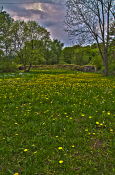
x: 1, y: 54
x: 97, y: 61
x: 94, y: 46
x: 79, y: 55
x: 29, y: 43
x: 68, y: 54
x: 62, y: 62
x: 111, y: 55
x: 5, y: 39
x: 6, y: 65
x: 53, y: 52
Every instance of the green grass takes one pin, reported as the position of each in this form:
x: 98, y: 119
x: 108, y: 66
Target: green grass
x: 57, y: 122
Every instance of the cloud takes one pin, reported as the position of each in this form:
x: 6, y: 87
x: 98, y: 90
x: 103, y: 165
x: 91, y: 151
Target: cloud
x: 50, y: 15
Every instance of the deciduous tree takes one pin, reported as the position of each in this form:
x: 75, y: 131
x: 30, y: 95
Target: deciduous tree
x: 88, y: 21
x: 27, y: 37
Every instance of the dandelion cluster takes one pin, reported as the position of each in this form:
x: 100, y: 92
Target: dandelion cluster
x: 57, y: 121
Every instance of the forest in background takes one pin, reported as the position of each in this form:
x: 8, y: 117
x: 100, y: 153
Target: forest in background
x: 28, y: 43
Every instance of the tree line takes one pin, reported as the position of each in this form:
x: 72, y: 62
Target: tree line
x: 28, y: 43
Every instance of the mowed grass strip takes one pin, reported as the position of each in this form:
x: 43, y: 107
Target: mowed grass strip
x: 57, y: 122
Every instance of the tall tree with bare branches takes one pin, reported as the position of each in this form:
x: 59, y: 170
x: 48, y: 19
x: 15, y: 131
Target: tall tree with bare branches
x: 87, y: 21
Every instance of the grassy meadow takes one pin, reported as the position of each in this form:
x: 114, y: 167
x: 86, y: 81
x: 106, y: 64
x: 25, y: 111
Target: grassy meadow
x: 57, y: 122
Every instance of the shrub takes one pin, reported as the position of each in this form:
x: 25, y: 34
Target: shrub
x: 7, y: 65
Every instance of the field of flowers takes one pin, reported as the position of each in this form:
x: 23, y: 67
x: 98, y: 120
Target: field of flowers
x: 57, y: 122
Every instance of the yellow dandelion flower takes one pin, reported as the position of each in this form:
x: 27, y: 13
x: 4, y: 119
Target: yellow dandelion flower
x: 82, y: 114
x: 111, y: 130
x: 25, y: 150
x: 65, y: 113
x: 97, y: 123
x: 70, y: 117
x: 108, y: 113
x: 60, y: 148
x: 43, y: 123
x: 16, y: 174
x: 101, y: 124
x: 3, y: 138
x: 57, y: 136
x: 90, y: 117
x: 16, y: 123
x: 86, y: 129
x: 66, y: 116
x: 93, y: 133
x: 16, y: 134
x: 73, y: 146
x: 89, y: 133
x: 61, y: 161
x: 35, y: 152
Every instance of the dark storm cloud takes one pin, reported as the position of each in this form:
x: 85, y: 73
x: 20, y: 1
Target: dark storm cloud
x: 26, y: 13
x: 50, y: 15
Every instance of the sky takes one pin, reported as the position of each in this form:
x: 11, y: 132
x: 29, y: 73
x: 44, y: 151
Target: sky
x: 48, y: 13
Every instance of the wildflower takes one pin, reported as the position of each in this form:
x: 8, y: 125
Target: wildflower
x: 16, y: 134
x: 97, y: 123
x: 108, y: 113
x: 61, y: 161
x: 57, y: 136
x: 90, y: 117
x: 3, y: 138
x: 101, y: 124
x: 89, y: 133
x: 73, y: 146
x: 43, y: 123
x: 16, y: 123
x: 66, y: 116
x: 16, y: 174
x: 60, y: 148
x: 25, y: 150
x: 93, y: 133
x: 86, y: 129
x: 35, y: 152
x: 70, y: 117
x: 111, y: 130
x: 82, y: 115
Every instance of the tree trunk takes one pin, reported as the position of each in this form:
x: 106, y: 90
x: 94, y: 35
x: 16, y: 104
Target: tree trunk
x: 106, y: 64
x: 25, y: 68
x: 29, y: 67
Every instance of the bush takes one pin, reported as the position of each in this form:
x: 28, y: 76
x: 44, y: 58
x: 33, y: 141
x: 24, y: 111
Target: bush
x: 7, y: 65
x: 62, y: 62
x: 98, y: 62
